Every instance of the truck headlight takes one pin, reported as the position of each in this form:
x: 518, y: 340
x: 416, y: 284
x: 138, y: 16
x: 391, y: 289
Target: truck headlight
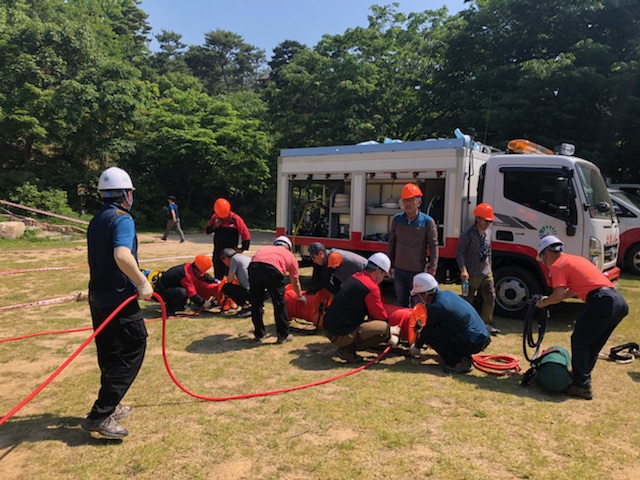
x: 595, y: 252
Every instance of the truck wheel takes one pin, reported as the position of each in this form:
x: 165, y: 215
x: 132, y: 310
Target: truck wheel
x: 514, y: 286
x: 633, y: 260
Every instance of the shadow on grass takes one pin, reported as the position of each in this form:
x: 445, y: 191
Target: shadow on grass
x: 47, y: 427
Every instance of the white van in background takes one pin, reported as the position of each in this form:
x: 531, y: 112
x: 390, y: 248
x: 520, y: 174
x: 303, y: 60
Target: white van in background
x: 627, y: 207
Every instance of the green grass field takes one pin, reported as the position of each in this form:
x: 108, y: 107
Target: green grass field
x: 400, y: 418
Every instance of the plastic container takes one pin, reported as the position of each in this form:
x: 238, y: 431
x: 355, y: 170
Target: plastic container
x: 465, y: 289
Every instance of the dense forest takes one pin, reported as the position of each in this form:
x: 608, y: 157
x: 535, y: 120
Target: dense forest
x: 81, y: 90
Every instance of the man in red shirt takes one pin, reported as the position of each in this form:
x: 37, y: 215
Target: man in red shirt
x: 228, y: 228
x: 267, y: 269
x: 345, y: 323
x: 572, y: 275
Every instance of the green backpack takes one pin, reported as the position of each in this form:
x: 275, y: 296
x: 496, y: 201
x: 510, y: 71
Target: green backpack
x: 552, y: 369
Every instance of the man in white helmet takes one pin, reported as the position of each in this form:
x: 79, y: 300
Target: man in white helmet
x: 453, y: 329
x: 114, y: 277
x: 356, y: 319
x: 267, y: 269
x: 605, y: 307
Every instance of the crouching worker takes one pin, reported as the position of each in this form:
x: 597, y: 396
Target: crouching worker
x: 454, y: 329
x: 187, y: 281
x: 238, y: 266
x: 345, y: 323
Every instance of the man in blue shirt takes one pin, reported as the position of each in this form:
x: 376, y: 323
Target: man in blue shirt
x: 114, y: 277
x: 453, y: 329
x: 173, y: 219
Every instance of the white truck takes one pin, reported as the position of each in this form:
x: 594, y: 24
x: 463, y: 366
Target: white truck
x: 346, y: 196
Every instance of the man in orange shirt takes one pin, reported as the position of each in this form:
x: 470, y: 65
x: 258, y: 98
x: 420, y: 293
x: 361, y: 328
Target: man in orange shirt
x: 572, y: 275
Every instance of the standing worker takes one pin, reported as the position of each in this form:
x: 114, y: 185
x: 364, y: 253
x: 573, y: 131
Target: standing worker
x: 266, y: 272
x: 572, y: 275
x: 454, y: 329
x: 238, y: 266
x: 473, y: 255
x: 115, y: 276
x: 333, y: 267
x: 227, y: 228
x: 188, y: 281
x: 356, y: 319
x: 413, y: 238
x: 173, y: 219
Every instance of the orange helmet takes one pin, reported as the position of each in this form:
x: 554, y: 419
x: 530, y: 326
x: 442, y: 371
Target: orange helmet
x: 222, y: 207
x: 203, y: 262
x: 410, y: 190
x: 484, y: 210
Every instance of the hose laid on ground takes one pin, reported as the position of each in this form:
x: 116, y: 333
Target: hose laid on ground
x: 496, y: 364
x: 39, y: 303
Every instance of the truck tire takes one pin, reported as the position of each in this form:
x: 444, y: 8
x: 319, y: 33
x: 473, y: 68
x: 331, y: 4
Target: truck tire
x: 514, y: 286
x: 633, y: 260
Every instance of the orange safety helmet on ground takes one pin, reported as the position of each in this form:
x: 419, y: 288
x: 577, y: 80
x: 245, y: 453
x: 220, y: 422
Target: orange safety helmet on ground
x: 203, y: 263
x: 484, y: 210
x: 410, y: 190
x: 222, y: 207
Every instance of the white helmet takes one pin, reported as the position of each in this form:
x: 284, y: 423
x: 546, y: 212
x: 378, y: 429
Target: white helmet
x: 424, y: 283
x: 114, y: 178
x: 550, y: 241
x: 380, y: 260
x: 284, y: 241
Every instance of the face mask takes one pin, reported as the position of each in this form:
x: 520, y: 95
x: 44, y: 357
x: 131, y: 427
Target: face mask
x: 130, y: 199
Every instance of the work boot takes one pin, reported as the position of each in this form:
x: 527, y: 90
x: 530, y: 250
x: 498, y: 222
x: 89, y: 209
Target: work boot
x: 107, y: 427
x: 121, y: 411
x: 348, y: 356
x: 581, y: 392
x: 288, y: 338
x: 463, y: 366
x: 244, y: 313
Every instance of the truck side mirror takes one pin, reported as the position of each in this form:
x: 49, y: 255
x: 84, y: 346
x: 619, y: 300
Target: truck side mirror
x: 618, y: 211
x: 562, y: 192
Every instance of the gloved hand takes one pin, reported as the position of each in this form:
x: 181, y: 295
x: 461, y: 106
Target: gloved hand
x: 395, y: 330
x: 303, y: 299
x: 414, y: 351
x: 539, y: 302
x: 207, y: 304
x: 144, y: 289
x: 394, y: 340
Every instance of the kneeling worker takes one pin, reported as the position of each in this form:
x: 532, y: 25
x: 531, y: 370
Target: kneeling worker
x: 238, y: 266
x: 345, y: 324
x: 187, y: 281
x: 333, y: 267
x: 454, y: 329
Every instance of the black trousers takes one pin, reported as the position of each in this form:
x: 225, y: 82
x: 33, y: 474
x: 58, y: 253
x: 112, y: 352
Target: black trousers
x: 449, y: 347
x: 604, y: 310
x: 238, y: 293
x: 121, y: 346
x: 174, y: 298
x: 263, y: 276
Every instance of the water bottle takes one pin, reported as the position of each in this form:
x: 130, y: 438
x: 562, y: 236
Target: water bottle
x: 465, y: 288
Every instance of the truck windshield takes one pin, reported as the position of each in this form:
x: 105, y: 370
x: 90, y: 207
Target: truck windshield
x: 595, y: 190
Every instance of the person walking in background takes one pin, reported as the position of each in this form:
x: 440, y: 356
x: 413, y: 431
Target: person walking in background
x: 238, y: 266
x: 356, y: 319
x: 173, y: 220
x: 188, y: 281
x: 605, y: 307
x: 114, y: 276
x: 333, y: 267
x: 228, y: 229
x: 267, y: 269
x: 413, y: 238
x: 453, y: 329
x: 473, y: 255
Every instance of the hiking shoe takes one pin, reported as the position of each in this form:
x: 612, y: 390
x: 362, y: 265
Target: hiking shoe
x: 463, y: 366
x: 286, y: 339
x: 492, y: 330
x: 121, y: 411
x: 182, y: 241
x: 107, y: 427
x: 244, y: 313
x: 348, y: 356
x: 581, y: 392
x: 259, y: 339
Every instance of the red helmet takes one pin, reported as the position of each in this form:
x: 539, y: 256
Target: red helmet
x: 203, y: 262
x: 222, y: 207
x: 410, y: 190
x: 484, y: 210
